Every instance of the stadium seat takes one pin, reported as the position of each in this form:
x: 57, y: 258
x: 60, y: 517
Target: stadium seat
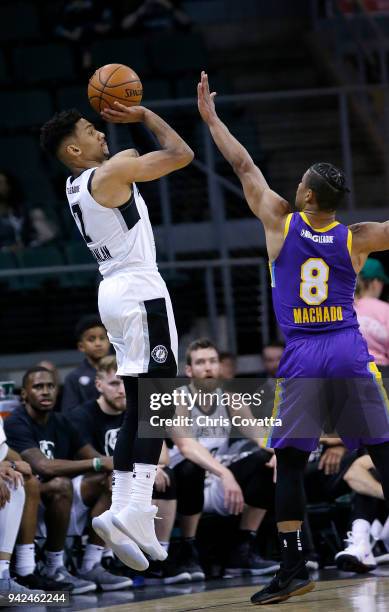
x: 52, y: 62
x: 209, y: 11
x: 39, y: 257
x: 192, y: 55
x: 78, y: 253
x: 25, y: 108
x: 75, y: 97
x: 7, y: 262
x: 21, y: 156
x: 3, y: 68
x: 18, y: 20
x: 123, y: 51
x: 156, y: 89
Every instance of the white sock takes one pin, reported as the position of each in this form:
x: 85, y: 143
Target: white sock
x: 54, y: 560
x: 361, y: 526
x: 165, y: 545
x: 121, y: 486
x: 142, y: 484
x: 25, y: 559
x: 4, y: 568
x: 92, y: 555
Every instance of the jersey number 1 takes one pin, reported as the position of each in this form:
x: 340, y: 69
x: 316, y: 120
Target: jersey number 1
x: 314, y: 281
x: 77, y: 212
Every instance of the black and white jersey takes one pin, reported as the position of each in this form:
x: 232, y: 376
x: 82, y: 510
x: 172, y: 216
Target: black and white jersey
x: 120, y: 239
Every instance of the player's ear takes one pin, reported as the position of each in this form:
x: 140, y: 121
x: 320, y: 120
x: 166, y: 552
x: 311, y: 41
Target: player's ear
x: 73, y: 150
x: 308, y: 195
x: 80, y: 346
x: 23, y: 394
x: 98, y: 384
x: 188, y: 371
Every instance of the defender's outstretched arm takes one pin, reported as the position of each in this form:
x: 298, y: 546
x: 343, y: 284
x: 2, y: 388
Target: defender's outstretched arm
x: 267, y: 205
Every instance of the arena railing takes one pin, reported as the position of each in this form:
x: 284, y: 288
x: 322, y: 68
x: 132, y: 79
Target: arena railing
x: 235, y: 292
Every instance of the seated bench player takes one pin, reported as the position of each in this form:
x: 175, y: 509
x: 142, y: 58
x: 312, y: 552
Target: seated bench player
x: 12, y: 502
x: 79, y: 384
x: 74, y: 485
x: 244, y: 486
x: 99, y: 422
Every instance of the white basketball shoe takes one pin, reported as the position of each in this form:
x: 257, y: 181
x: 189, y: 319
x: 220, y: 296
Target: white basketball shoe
x: 138, y: 524
x: 124, y: 548
x: 357, y: 556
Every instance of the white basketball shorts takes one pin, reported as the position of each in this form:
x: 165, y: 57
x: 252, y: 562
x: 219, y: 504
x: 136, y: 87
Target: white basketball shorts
x: 136, y: 310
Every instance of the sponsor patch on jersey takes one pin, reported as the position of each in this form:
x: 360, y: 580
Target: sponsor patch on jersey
x: 317, y: 238
x: 159, y: 353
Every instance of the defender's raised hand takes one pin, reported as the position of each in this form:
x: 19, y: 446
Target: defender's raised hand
x: 205, y: 99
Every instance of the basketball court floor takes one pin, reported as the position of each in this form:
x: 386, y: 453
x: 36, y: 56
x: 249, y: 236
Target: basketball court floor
x: 335, y: 591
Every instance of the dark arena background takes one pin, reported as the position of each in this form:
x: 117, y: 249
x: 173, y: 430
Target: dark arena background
x: 297, y: 82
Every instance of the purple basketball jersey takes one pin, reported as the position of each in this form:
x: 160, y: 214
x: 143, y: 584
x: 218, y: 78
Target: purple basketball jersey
x: 313, y: 280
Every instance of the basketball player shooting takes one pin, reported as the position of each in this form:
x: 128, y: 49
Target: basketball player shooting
x: 314, y: 261
x: 134, y: 303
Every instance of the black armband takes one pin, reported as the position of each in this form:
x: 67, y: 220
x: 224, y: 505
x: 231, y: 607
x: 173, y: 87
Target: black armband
x: 143, y: 139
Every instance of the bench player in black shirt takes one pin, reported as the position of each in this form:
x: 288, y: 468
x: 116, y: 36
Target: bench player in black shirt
x: 69, y: 488
x: 99, y: 423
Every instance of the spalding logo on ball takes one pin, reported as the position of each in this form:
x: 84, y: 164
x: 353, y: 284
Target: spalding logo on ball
x: 114, y: 82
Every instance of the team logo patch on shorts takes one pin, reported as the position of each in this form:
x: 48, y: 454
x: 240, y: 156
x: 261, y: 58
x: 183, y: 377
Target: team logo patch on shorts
x: 159, y: 353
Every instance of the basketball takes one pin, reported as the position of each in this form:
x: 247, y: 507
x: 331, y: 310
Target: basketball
x: 114, y: 82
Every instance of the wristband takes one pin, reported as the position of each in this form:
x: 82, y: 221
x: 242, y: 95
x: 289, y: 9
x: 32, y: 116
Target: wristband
x: 97, y: 465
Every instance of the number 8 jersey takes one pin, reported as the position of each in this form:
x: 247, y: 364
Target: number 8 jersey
x: 313, y: 280
x: 120, y: 239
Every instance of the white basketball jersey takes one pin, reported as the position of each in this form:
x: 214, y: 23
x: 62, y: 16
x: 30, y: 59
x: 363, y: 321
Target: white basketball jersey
x: 120, y: 239
x: 211, y: 432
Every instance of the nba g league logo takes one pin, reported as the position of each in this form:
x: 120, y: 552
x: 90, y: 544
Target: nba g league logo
x: 159, y: 353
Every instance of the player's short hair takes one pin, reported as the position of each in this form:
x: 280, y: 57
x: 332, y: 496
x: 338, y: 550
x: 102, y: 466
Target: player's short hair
x: 328, y: 183
x: 34, y: 370
x: 85, y: 323
x: 200, y: 343
x: 106, y: 365
x: 57, y: 128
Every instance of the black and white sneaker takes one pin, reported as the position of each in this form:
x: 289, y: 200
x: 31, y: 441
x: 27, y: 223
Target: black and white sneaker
x: 43, y: 583
x: 62, y: 575
x: 165, y: 572
x: 189, y: 560
x: 244, y: 561
x: 285, y: 584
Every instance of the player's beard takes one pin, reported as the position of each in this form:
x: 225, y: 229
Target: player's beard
x: 115, y: 407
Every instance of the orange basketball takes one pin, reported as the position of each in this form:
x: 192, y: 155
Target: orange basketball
x: 114, y: 82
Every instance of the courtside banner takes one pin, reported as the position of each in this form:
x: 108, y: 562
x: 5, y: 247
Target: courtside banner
x: 270, y: 410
